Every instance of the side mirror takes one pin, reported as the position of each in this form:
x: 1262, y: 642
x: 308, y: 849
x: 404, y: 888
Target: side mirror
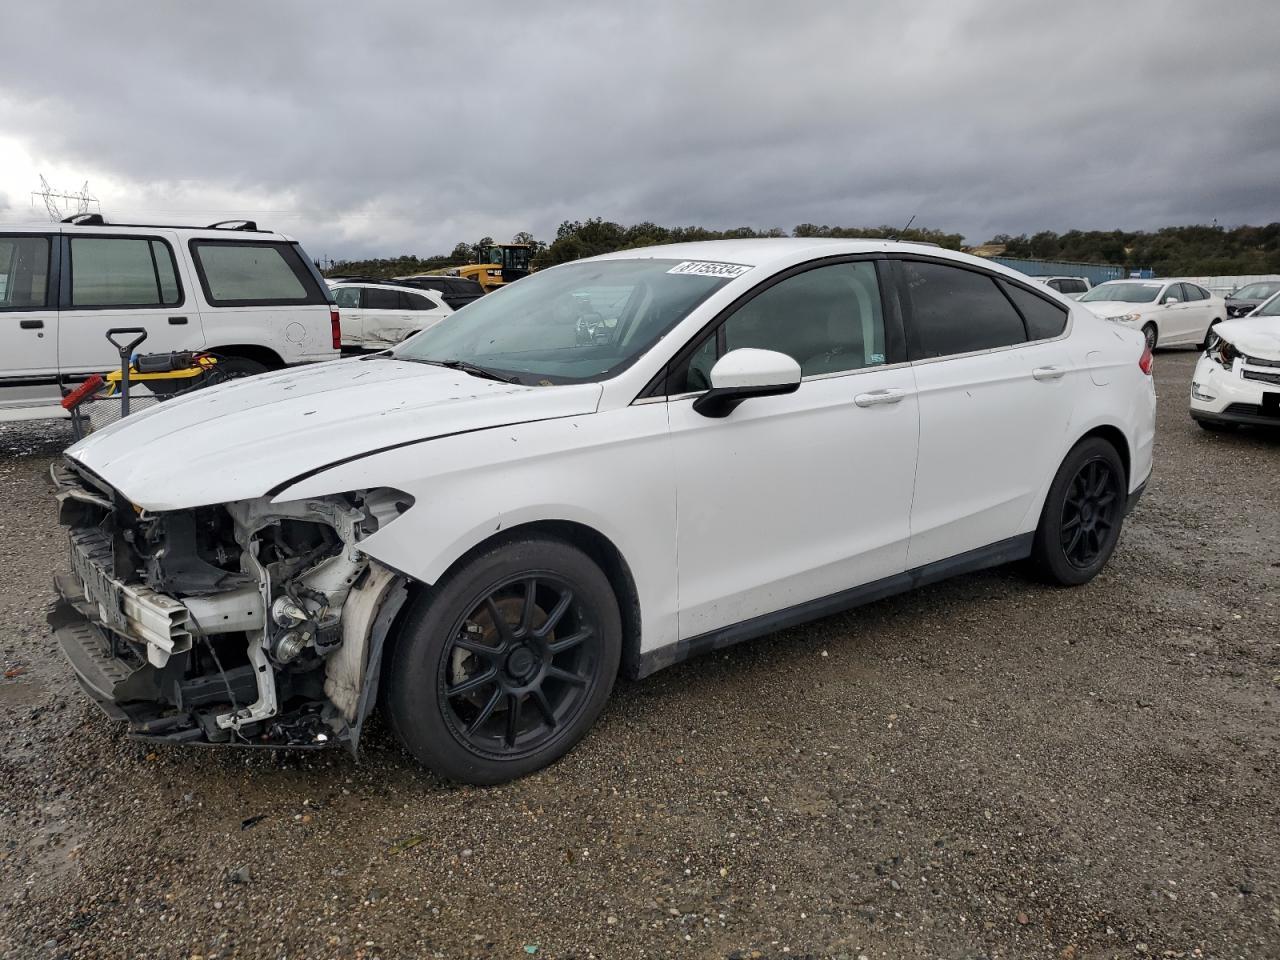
x: 744, y: 373
x: 1170, y: 301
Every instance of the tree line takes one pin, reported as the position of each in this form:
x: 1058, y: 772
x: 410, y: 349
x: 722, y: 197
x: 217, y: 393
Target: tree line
x: 1170, y: 251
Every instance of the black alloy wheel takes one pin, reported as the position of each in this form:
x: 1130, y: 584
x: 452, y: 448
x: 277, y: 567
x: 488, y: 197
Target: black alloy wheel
x: 503, y: 665
x: 1082, y: 515
x: 518, y: 666
x: 1091, y: 512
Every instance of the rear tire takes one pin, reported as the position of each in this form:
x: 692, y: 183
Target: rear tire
x: 1204, y: 344
x: 236, y: 368
x: 1149, y: 331
x: 503, y: 666
x: 1082, y: 515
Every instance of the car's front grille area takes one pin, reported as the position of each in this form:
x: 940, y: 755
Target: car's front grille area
x: 1262, y: 376
x: 1259, y: 361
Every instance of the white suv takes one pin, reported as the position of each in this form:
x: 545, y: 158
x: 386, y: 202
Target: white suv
x: 377, y: 314
x: 249, y: 295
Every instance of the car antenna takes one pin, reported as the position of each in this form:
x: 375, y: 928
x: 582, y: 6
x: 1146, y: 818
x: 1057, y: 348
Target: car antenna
x: 898, y: 235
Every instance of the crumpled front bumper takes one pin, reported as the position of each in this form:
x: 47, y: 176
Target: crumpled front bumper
x: 1219, y: 395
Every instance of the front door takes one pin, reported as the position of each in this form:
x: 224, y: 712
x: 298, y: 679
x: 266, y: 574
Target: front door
x: 28, y: 323
x: 797, y: 497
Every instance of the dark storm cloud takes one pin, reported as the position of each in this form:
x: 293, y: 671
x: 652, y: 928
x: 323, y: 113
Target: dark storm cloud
x: 394, y: 127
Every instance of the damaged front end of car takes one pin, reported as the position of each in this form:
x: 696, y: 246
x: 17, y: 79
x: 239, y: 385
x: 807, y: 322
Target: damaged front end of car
x: 250, y: 623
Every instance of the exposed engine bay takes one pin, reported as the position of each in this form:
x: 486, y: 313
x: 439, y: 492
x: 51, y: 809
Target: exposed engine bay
x: 252, y: 622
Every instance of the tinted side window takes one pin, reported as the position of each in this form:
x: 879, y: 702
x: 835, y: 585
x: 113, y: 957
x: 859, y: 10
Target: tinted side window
x: 347, y: 297
x: 122, y: 271
x: 24, y: 272
x: 1044, y: 320
x: 828, y: 319
x: 380, y: 298
x: 245, y: 273
x: 1196, y: 293
x: 415, y: 301
x: 1073, y: 286
x: 956, y: 311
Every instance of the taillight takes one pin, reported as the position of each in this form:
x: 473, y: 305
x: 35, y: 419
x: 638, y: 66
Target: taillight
x: 335, y: 326
x: 76, y: 396
x: 1147, y: 360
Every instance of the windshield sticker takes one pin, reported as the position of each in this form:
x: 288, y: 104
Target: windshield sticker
x: 709, y: 268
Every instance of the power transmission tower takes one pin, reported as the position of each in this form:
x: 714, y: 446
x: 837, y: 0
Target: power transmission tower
x: 59, y: 205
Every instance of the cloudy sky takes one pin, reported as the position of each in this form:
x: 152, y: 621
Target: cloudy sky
x: 385, y: 128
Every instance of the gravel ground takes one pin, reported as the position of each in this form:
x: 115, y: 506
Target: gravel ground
x: 986, y: 768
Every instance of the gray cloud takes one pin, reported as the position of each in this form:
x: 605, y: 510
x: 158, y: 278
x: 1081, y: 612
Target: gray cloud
x: 387, y: 128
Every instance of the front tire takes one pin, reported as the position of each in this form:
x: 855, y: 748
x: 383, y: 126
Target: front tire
x: 1080, y: 522
x: 503, y: 666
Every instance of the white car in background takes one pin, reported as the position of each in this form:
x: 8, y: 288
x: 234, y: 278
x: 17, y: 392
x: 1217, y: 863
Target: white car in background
x: 377, y: 314
x: 1073, y: 288
x: 1169, y: 313
x: 1237, y: 381
x: 613, y: 464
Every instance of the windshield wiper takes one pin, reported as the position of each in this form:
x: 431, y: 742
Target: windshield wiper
x: 474, y: 369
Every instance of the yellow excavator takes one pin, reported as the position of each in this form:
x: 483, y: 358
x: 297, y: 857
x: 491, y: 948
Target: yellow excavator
x: 502, y: 263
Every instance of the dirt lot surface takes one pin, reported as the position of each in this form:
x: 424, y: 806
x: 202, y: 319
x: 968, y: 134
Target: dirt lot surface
x: 986, y: 768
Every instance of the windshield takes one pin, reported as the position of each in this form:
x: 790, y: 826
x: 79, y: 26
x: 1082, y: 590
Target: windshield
x: 570, y: 324
x: 1269, y: 309
x: 1123, y: 292
x: 1256, y: 291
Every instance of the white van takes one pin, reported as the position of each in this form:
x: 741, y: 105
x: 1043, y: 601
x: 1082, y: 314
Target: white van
x: 251, y: 296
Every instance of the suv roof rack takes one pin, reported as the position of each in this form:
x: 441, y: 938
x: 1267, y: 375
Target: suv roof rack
x: 97, y: 220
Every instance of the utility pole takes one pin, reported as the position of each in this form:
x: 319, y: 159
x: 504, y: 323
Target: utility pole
x: 59, y: 205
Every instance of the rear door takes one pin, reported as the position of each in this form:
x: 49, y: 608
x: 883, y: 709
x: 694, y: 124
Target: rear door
x: 28, y: 322
x: 263, y: 292
x: 387, y: 318
x: 993, y: 381
x: 121, y: 280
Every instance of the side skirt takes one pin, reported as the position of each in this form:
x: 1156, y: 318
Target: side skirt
x: 993, y: 555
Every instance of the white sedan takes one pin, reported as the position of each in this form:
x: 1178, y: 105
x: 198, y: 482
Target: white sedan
x: 613, y: 464
x: 1237, y: 381
x: 1168, y: 312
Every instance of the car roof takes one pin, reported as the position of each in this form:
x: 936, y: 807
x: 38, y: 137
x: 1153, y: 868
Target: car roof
x: 375, y: 283
x: 99, y: 229
x: 777, y: 252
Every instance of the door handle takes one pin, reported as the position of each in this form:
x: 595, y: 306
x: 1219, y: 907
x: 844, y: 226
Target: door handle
x: 878, y: 398
x: 31, y: 324
x: 1048, y: 373
x: 178, y: 321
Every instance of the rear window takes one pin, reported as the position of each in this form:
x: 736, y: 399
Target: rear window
x: 1044, y: 320
x: 245, y: 273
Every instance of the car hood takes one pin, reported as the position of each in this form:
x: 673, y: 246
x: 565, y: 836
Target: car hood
x: 1255, y: 336
x: 241, y: 440
x: 1115, y: 308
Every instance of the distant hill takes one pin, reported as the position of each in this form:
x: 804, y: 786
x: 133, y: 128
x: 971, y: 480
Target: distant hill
x: 1171, y: 251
